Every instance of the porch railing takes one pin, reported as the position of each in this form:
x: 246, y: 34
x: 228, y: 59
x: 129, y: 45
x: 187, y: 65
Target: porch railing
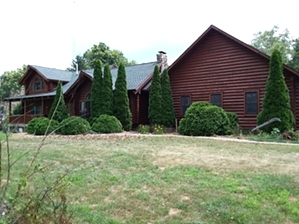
x: 22, y: 118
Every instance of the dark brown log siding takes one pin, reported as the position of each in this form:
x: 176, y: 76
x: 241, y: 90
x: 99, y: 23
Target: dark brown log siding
x: 143, y: 107
x: 219, y: 64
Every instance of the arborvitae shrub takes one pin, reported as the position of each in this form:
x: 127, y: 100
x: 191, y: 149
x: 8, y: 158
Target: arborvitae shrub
x: 107, y: 124
x: 74, y: 125
x: 204, y: 119
x: 276, y: 102
x: 44, y: 126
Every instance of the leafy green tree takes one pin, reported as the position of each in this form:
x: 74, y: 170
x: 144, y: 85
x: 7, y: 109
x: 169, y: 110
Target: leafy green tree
x: 81, y: 62
x: 276, y: 102
x: 107, y: 93
x: 155, y: 100
x: 9, y: 82
x: 106, y: 55
x: 96, y: 91
x: 58, y: 109
x: 168, y: 115
x: 272, y: 39
x: 121, y: 107
x: 294, y: 63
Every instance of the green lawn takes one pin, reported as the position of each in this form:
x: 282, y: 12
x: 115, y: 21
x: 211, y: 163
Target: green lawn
x: 169, y: 179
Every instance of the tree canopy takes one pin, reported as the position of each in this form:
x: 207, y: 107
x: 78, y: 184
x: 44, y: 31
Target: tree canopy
x: 272, y: 39
x: 9, y: 82
x: 100, y: 52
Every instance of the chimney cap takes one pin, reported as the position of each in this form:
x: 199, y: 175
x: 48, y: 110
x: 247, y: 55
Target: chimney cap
x: 162, y: 52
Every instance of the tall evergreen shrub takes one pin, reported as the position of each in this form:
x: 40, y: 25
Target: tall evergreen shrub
x: 121, y: 107
x: 107, y: 93
x: 96, y: 91
x: 58, y: 109
x: 276, y: 102
x: 155, y: 100
x: 168, y: 115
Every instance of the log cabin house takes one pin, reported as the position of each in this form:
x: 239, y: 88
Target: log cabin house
x: 40, y: 89
x: 226, y: 72
x: 217, y: 68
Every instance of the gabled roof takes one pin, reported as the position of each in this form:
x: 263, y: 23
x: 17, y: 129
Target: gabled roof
x: 49, y: 73
x: 214, y: 28
x: 65, y: 88
x: 137, y: 75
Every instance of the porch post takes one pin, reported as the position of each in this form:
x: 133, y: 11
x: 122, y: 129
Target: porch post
x: 137, y: 108
x: 25, y: 111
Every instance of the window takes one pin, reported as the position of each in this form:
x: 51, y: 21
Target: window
x: 36, y: 109
x: 216, y: 99
x: 82, y: 108
x: 185, y: 103
x: 88, y: 106
x: 37, y: 84
x: 251, y: 103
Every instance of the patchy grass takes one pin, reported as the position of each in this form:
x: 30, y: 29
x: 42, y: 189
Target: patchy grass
x: 170, y: 179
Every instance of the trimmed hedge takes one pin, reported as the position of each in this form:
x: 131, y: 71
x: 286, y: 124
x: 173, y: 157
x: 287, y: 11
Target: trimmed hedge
x: 204, y: 119
x: 42, y: 126
x: 107, y: 124
x: 74, y: 125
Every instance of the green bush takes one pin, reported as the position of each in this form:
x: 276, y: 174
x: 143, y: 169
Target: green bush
x: 143, y: 129
x: 42, y: 125
x: 31, y: 125
x: 204, y: 119
x: 74, y: 126
x: 233, y: 118
x: 107, y: 124
x: 18, y: 109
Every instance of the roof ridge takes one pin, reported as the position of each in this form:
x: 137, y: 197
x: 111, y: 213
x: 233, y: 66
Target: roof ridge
x: 38, y: 66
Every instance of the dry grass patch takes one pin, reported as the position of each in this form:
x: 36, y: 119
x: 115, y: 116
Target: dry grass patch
x: 168, y: 179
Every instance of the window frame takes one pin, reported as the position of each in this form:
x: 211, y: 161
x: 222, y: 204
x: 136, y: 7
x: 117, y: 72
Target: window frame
x: 184, y: 108
x: 250, y: 103
x: 37, y: 84
x: 221, y: 98
x: 36, y: 109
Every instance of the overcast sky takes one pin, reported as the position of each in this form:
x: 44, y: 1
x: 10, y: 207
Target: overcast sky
x: 51, y: 33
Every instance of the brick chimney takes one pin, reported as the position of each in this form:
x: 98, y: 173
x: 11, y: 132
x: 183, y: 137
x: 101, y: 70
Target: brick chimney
x: 162, y: 60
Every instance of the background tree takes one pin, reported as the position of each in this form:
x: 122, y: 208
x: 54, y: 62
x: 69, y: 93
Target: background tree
x: 9, y: 82
x: 58, y: 109
x: 96, y: 91
x: 155, y: 100
x: 276, y: 102
x: 81, y: 62
x: 107, y: 93
x: 294, y: 63
x: 121, y: 107
x: 106, y: 55
x: 272, y: 39
x: 168, y: 115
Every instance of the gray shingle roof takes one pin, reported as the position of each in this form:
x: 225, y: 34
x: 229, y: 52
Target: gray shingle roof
x: 136, y: 74
x: 54, y: 74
